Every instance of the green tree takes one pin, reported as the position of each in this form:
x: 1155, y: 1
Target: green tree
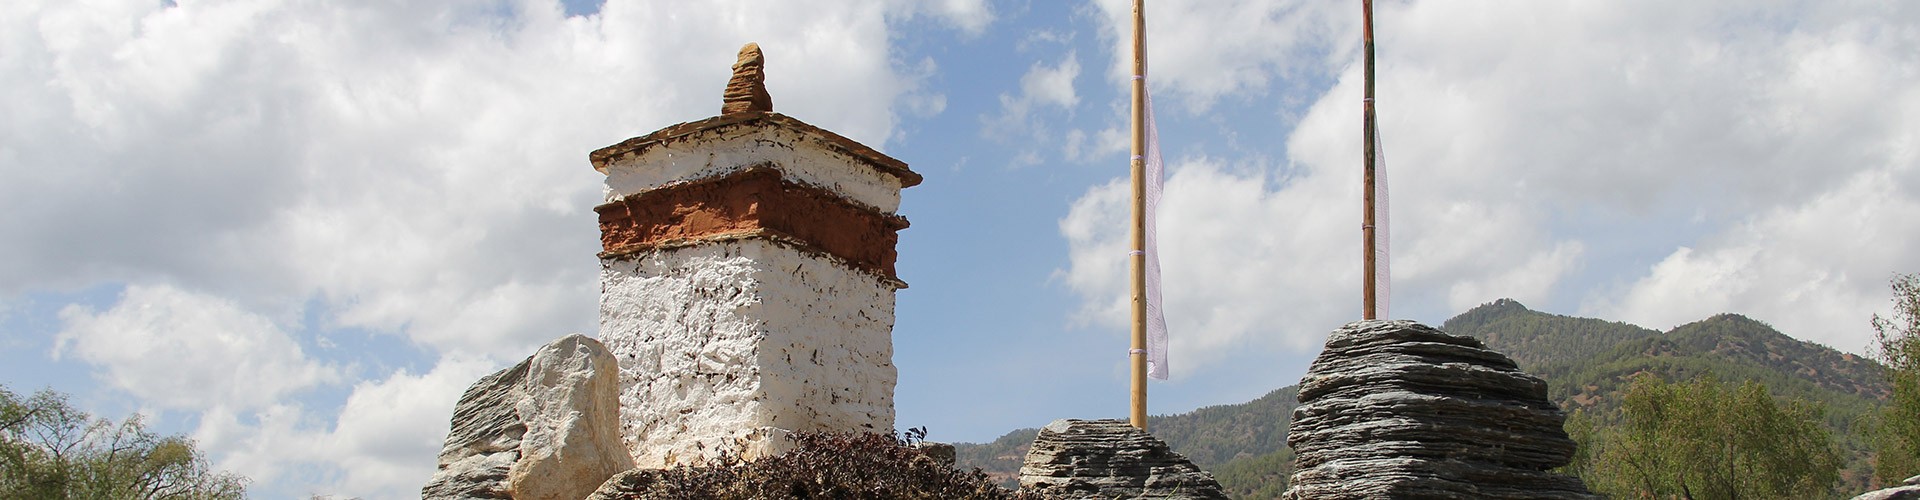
x: 1897, y: 453
x: 1585, y: 432
x: 1706, y: 440
x: 50, y: 450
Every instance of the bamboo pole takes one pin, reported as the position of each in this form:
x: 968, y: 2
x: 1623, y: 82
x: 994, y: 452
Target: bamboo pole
x: 1137, y: 259
x: 1369, y: 297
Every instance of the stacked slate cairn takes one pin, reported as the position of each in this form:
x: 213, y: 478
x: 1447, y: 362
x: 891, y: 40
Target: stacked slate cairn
x: 1074, y: 458
x: 1908, y: 490
x: 1397, y: 409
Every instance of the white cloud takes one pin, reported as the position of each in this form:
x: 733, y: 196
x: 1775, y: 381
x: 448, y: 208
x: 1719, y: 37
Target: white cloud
x: 260, y: 445
x: 1538, y: 153
x: 1815, y: 271
x: 1824, y: 187
x: 1243, y: 264
x: 390, y: 432
x: 1052, y: 85
x: 416, y: 169
x: 182, y: 350
x: 1022, y: 118
x: 421, y: 168
x: 1531, y: 281
x: 971, y: 16
x: 382, y: 444
x: 1200, y: 52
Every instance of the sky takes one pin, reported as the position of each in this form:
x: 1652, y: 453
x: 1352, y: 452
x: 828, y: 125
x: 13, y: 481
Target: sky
x: 296, y: 230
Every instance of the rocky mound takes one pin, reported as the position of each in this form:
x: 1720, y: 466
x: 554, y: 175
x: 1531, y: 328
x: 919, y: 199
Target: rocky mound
x: 1909, y: 490
x: 1397, y: 409
x: 1109, y: 459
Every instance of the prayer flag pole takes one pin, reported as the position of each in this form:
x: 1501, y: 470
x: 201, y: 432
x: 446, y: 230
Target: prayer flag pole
x: 1369, y: 295
x: 1137, y: 258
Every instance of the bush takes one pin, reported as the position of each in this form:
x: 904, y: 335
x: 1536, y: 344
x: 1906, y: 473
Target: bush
x: 1898, y: 347
x: 821, y: 466
x: 49, y: 449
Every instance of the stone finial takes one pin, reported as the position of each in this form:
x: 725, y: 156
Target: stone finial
x: 747, y: 91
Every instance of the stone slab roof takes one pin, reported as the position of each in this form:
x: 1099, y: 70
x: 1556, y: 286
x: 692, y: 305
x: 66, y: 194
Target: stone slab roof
x: 603, y: 157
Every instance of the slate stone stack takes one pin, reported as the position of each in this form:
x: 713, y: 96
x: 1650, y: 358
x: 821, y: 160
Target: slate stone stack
x: 1397, y: 409
x: 1909, y: 490
x: 1110, y: 459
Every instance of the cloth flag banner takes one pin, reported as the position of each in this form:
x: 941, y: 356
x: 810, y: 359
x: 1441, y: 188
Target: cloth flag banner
x: 1383, y: 273
x: 1381, y: 231
x: 1156, y: 322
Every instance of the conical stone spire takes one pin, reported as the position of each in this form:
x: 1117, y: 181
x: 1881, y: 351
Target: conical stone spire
x: 747, y: 91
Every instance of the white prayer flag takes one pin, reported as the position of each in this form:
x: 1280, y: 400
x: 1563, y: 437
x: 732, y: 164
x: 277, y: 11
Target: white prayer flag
x: 1156, y: 323
x: 1382, y: 271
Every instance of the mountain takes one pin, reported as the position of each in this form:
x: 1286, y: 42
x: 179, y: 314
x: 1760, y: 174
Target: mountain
x: 1731, y: 347
x: 1535, y: 339
x: 1586, y: 362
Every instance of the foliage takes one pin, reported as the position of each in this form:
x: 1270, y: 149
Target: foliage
x: 821, y: 465
x: 1264, y: 476
x: 1216, y: 435
x: 1728, y: 346
x: 1897, y: 444
x: 1585, y: 432
x: 1000, y: 459
x: 1735, y: 349
x: 1708, y: 440
x: 49, y: 449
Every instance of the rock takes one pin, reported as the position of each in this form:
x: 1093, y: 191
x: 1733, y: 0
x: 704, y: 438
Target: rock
x: 623, y: 486
x: 1397, y: 409
x: 484, y: 441
x: 1109, y: 459
x: 545, y: 428
x: 747, y: 91
x: 572, y: 416
x: 1912, y: 481
x: 1897, y: 493
x: 475, y: 476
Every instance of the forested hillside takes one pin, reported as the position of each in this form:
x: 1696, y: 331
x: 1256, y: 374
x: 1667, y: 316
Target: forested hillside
x: 1731, y: 347
x: 1535, y: 339
x: 1587, y: 363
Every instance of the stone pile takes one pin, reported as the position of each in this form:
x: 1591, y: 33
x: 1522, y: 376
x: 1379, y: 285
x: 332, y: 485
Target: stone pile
x: 1397, y: 409
x: 1110, y: 459
x: 1910, y: 490
x: 546, y: 428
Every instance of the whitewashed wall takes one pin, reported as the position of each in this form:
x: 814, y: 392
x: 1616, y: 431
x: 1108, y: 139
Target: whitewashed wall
x: 729, y: 344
